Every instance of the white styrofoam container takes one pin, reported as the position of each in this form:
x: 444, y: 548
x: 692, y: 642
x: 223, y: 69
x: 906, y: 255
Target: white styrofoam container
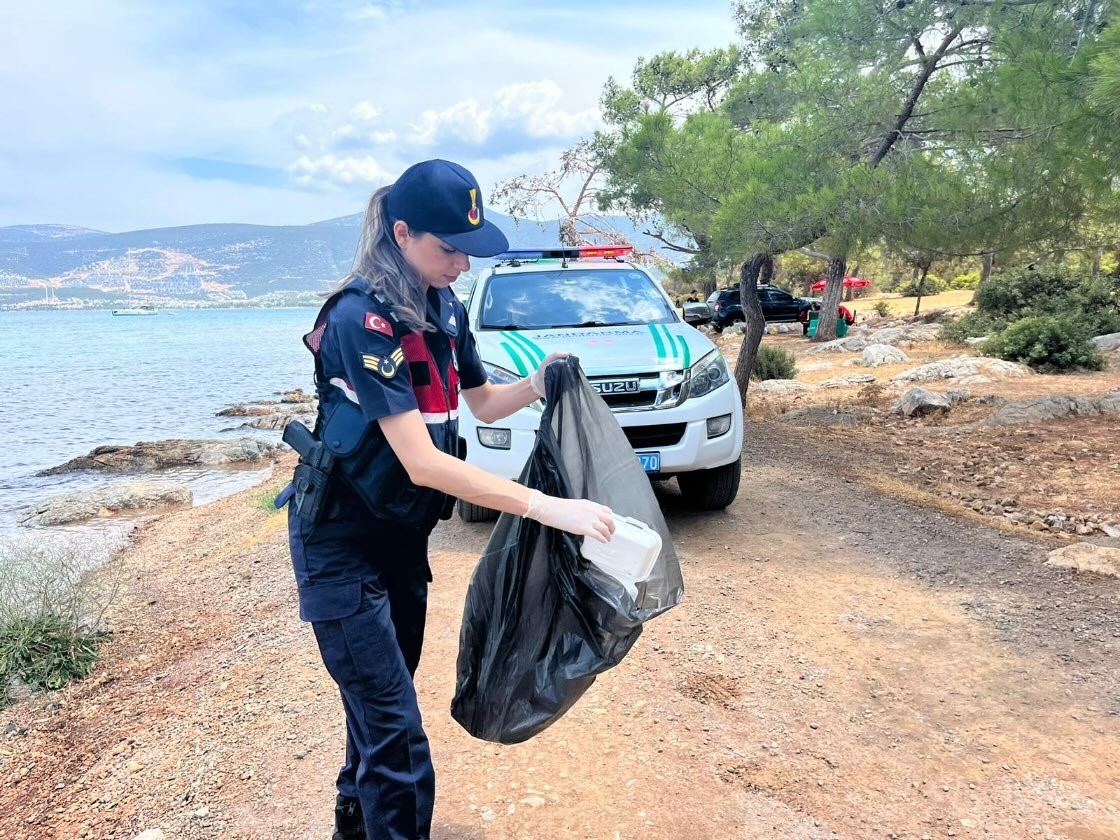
x: 629, y: 556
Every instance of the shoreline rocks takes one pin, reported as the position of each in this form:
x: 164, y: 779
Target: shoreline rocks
x: 164, y: 454
x: 135, y: 497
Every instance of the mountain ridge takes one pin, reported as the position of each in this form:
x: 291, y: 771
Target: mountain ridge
x: 228, y: 263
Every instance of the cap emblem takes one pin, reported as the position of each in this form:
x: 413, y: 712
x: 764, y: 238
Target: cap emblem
x: 473, y: 215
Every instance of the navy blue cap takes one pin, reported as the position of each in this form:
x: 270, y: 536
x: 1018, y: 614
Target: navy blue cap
x: 443, y: 198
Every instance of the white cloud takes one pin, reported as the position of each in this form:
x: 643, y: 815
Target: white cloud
x: 352, y: 81
x: 532, y: 107
x: 341, y: 171
x: 464, y: 120
x: 364, y: 111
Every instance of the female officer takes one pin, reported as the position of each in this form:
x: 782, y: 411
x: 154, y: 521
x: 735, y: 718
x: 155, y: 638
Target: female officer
x: 392, y: 349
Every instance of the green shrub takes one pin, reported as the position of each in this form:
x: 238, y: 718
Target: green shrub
x: 46, y: 652
x: 975, y: 323
x: 1052, y: 291
x: 773, y: 363
x: 882, y: 309
x: 50, y: 613
x: 968, y: 280
x: 933, y: 285
x: 266, y: 500
x: 1048, y: 344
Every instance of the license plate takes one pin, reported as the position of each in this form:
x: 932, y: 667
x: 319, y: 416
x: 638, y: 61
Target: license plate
x: 617, y: 386
x: 650, y: 461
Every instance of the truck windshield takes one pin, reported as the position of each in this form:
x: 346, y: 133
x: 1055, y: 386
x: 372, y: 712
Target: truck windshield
x: 572, y: 297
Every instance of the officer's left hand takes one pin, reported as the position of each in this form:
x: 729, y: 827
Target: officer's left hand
x: 537, y: 379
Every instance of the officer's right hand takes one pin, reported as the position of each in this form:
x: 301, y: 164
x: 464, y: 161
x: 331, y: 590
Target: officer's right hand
x: 576, y: 516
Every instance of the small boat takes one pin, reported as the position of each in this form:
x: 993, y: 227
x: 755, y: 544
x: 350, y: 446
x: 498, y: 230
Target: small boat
x: 146, y: 309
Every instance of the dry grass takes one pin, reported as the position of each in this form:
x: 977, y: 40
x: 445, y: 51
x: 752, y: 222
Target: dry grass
x: 900, y: 306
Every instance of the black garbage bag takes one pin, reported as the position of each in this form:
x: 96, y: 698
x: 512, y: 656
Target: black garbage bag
x: 540, y: 622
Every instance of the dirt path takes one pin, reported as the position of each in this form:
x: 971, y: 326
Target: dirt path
x: 843, y: 665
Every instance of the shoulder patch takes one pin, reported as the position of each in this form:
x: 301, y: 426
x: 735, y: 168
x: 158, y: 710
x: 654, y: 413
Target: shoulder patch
x: 376, y: 323
x: 383, y: 366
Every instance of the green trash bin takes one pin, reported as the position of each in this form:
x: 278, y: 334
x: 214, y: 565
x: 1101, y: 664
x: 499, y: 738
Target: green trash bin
x: 841, y: 325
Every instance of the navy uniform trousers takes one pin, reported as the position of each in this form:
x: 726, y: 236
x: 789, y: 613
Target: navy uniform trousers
x: 368, y: 584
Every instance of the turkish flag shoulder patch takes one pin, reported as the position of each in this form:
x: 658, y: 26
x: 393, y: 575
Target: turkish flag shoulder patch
x: 378, y: 324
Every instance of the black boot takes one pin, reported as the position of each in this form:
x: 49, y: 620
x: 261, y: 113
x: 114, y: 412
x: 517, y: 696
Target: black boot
x: 348, y: 824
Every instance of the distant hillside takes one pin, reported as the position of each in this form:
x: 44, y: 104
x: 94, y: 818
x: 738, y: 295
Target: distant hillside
x: 200, y: 264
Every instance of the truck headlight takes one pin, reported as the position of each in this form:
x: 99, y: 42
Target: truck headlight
x: 493, y: 438
x: 708, y: 374
x: 501, y: 376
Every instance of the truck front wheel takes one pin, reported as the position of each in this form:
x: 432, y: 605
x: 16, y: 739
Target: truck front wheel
x: 712, y: 489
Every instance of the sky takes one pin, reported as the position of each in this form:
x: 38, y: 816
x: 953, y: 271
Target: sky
x: 125, y: 115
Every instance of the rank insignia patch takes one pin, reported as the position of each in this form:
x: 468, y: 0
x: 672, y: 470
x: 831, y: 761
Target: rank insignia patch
x: 384, y: 366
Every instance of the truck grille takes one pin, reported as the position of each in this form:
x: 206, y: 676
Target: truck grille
x: 642, y: 399
x: 645, y: 437
x: 650, y: 393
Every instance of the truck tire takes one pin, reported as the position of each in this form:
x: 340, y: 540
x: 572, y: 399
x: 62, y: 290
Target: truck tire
x: 475, y: 513
x: 712, y: 489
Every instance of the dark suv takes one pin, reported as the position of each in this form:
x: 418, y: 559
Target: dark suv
x: 778, y: 306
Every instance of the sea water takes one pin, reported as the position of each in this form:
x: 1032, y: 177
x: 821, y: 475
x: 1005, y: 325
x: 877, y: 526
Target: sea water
x: 73, y: 380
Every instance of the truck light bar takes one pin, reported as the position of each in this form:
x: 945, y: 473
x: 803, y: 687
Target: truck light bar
x: 585, y: 252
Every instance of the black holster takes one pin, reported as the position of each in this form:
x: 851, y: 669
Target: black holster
x: 312, y: 475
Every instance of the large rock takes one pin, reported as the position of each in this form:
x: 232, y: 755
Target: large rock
x: 888, y: 336
x: 924, y: 332
x: 240, y: 410
x: 1087, y: 557
x: 278, y: 420
x: 162, y: 454
x: 848, y: 344
x: 847, y: 380
x: 875, y: 355
x: 1108, y: 343
x: 297, y: 396
x: 917, y: 402
x: 1041, y: 409
x: 962, y: 366
x: 107, y: 501
x: 905, y: 332
x: 781, y: 386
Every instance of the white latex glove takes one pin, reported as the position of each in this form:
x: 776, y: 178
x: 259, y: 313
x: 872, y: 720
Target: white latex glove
x: 537, y: 379
x: 576, y: 516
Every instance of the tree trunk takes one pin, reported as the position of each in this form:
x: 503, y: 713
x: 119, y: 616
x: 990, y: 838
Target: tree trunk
x: 830, y: 306
x: 986, y: 265
x: 921, y: 288
x: 1098, y: 253
x: 755, y: 323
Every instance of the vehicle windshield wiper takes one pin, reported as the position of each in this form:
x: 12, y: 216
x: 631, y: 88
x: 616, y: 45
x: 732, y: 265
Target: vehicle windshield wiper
x: 509, y: 327
x: 592, y: 324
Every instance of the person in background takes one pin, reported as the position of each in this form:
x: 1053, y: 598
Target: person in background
x: 392, y: 350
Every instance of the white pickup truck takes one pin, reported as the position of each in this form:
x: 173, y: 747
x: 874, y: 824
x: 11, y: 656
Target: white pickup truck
x: 667, y: 383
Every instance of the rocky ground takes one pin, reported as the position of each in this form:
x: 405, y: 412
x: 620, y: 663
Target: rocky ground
x: 844, y: 664
x: 1034, y: 451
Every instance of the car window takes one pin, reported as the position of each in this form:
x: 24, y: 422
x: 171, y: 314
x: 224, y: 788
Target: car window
x: 572, y: 297
x: 765, y: 294
x: 780, y: 296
